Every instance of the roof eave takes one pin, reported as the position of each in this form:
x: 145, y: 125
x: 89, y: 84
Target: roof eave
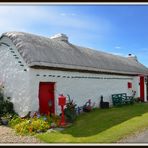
x: 81, y: 69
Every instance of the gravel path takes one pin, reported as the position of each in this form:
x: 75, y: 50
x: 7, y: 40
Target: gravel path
x: 139, y: 137
x: 8, y: 135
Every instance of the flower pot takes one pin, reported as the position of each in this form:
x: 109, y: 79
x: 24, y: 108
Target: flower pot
x: 4, y: 121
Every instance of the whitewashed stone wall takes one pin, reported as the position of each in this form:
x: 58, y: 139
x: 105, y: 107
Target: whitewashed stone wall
x: 136, y: 86
x: 145, y: 91
x: 81, y: 86
x: 14, y: 78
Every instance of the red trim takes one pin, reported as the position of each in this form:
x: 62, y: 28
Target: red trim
x: 142, y: 88
x: 129, y: 84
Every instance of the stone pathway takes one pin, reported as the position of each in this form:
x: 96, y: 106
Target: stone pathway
x: 8, y: 136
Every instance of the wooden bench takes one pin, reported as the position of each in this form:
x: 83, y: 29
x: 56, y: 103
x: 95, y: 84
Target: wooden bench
x: 121, y: 99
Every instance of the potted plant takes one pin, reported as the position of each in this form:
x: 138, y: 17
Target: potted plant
x: 70, y: 110
x: 5, y: 119
x: 87, y: 107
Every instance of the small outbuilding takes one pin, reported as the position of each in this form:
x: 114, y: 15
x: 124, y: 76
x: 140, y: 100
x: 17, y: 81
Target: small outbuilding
x: 35, y: 69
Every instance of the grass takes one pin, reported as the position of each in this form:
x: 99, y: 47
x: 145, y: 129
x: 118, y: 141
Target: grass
x: 102, y: 125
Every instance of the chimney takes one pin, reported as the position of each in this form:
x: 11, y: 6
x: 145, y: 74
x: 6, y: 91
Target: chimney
x: 60, y: 37
x: 130, y: 56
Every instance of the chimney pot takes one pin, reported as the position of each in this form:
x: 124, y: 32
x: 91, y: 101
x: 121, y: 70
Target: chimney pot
x: 60, y: 37
x: 129, y: 54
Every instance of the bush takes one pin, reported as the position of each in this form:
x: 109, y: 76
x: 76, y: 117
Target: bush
x: 70, y: 111
x: 52, y: 120
x: 14, y: 121
x: 138, y: 99
x: 55, y: 119
x: 6, y: 106
x: 32, y: 126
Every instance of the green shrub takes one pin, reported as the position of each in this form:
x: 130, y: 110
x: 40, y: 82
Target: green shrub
x: 138, y: 99
x: 32, y: 126
x: 52, y: 120
x: 70, y: 111
x: 6, y: 106
x: 55, y: 119
x: 14, y: 121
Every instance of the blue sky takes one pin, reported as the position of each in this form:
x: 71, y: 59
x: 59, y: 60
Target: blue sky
x: 117, y: 29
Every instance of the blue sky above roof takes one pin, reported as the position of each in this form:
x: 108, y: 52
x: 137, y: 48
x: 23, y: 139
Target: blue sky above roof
x: 117, y: 29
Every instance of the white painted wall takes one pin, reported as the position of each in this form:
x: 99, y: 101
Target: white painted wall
x: 145, y: 91
x: 136, y: 86
x: 14, y: 78
x: 80, y: 89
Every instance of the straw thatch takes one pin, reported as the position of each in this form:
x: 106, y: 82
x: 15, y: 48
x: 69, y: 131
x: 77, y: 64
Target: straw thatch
x: 39, y: 51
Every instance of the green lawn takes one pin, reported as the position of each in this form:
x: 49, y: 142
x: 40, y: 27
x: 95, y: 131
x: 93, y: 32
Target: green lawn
x: 102, y: 125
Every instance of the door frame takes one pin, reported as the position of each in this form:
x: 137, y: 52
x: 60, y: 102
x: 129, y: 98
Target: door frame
x: 142, y: 88
x: 53, y: 93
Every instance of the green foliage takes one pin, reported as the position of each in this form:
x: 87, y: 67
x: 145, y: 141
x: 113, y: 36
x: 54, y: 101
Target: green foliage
x: 137, y: 99
x: 15, y: 120
x: 70, y: 111
x: 32, y: 126
x: 1, y: 97
x: 6, y: 106
x: 35, y: 124
x: 55, y: 119
x: 102, y: 126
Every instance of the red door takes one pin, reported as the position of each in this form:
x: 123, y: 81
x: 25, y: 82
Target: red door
x: 142, y: 88
x: 46, y: 94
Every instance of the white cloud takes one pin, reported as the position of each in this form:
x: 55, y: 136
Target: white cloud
x: 19, y: 17
x: 27, y: 16
x: 43, y: 20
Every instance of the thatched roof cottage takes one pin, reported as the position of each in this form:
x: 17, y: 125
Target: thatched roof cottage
x: 36, y: 69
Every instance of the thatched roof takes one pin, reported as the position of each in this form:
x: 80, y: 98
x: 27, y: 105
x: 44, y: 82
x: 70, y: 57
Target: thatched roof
x: 57, y: 52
